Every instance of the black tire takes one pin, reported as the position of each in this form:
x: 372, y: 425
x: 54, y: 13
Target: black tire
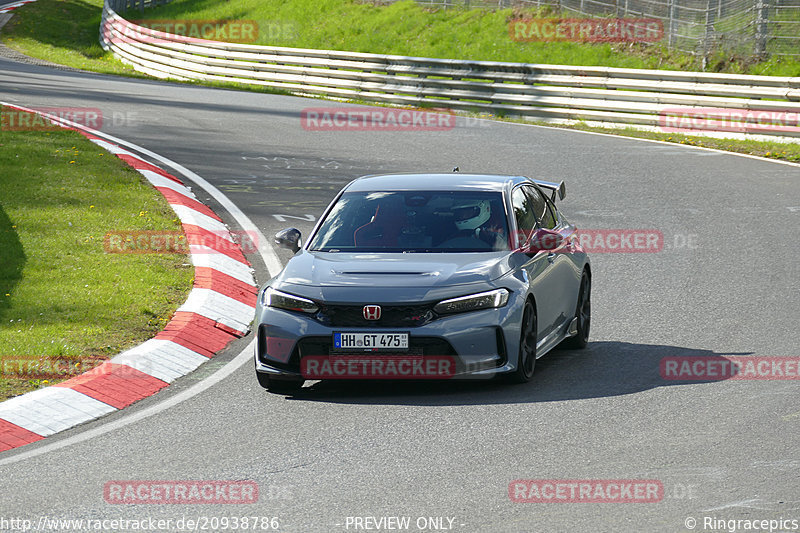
x: 279, y: 385
x: 526, y: 358
x: 583, y: 312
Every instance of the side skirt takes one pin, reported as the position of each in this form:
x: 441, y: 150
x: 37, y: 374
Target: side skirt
x: 563, y: 331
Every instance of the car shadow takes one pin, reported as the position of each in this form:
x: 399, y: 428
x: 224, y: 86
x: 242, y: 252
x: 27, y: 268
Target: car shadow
x: 603, y: 369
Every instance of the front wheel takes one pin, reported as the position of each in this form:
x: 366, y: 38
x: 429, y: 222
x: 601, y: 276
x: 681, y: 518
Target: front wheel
x: 526, y: 359
x: 583, y: 313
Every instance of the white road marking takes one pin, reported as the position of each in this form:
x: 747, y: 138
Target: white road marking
x: 307, y: 218
x: 265, y: 250
x: 267, y: 254
x: 654, y: 141
x: 273, y: 266
x: 195, y: 218
x: 157, y: 180
x: 755, y: 503
x: 162, y: 359
x: 244, y: 357
x: 52, y: 409
x: 203, y: 256
x: 219, y: 308
x: 111, y: 147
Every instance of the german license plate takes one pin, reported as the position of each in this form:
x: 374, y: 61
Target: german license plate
x: 370, y: 341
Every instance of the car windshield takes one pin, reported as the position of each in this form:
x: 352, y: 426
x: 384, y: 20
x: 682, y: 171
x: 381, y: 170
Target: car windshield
x: 415, y: 221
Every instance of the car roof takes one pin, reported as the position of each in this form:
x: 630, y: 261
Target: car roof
x: 452, y: 181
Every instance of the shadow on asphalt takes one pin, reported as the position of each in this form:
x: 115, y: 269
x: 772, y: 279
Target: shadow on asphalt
x: 603, y: 369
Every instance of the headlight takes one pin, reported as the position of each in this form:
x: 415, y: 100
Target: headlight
x: 473, y: 302
x: 272, y: 298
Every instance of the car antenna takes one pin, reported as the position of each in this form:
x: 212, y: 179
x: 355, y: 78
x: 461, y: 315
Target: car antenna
x: 455, y: 169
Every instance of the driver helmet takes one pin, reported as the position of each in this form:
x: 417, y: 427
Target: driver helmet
x: 471, y: 214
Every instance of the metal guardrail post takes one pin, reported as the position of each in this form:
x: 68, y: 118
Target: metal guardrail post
x: 672, y: 24
x: 708, y: 38
x: 762, y: 16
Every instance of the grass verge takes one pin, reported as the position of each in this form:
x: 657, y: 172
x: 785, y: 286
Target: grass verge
x: 64, y: 302
x: 768, y: 149
x: 63, y: 32
x: 407, y: 28
x: 66, y: 31
x: 402, y: 28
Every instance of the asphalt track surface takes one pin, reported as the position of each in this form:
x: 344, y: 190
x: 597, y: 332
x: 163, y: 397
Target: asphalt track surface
x: 722, y: 449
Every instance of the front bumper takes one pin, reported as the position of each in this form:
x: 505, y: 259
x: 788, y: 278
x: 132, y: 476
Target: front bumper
x: 479, y: 342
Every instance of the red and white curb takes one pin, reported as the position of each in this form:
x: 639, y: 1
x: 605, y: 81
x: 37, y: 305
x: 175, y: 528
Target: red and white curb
x: 11, y: 7
x: 219, y: 309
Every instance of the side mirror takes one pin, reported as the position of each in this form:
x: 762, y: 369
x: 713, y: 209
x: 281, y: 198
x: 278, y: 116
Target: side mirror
x: 289, y: 238
x: 543, y: 240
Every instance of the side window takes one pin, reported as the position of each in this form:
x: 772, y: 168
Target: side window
x: 523, y: 213
x: 543, y: 211
x: 550, y: 219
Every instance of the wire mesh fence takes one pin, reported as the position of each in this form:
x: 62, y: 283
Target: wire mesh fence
x: 700, y: 27
x: 123, y: 5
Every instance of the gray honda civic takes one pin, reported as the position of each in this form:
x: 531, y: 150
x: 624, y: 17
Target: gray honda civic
x: 426, y: 276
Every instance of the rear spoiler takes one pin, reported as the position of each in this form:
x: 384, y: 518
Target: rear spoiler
x: 557, y: 188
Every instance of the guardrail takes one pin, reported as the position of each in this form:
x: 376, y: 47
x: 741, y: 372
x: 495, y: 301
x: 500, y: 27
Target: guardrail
x: 750, y: 105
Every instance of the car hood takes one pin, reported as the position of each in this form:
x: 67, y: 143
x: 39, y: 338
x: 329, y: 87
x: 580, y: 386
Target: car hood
x: 324, y: 274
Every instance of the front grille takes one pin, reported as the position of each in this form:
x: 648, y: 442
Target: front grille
x: 392, y: 316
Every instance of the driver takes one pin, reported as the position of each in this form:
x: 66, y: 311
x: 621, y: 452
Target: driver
x: 471, y: 218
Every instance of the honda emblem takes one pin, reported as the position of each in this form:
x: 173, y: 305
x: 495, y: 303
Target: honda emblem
x: 372, y: 312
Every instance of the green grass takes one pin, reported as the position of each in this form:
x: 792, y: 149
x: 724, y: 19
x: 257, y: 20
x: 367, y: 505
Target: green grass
x: 62, y: 297
x: 407, y: 28
x: 768, y: 149
x: 65, y: 31
x: 403, y: 28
